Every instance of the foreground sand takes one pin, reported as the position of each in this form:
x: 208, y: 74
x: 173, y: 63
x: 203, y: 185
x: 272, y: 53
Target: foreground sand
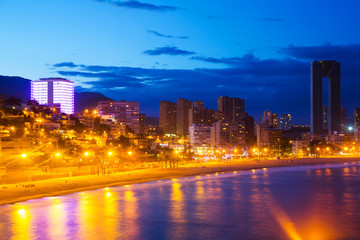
x: 11, y: 193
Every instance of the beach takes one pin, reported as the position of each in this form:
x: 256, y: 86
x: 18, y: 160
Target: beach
x: 26, y: 190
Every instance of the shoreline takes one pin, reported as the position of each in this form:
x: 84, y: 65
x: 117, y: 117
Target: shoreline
x: 24, y: 191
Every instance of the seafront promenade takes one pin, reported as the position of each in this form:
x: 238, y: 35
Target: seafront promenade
x: 50, y: 184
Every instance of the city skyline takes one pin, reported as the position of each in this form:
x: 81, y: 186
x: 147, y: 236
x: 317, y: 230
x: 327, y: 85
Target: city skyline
x: 149, y: 51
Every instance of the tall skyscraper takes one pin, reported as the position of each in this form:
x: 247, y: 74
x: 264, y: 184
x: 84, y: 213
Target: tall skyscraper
x: 167, y: 117
x: 330, y: 70
x: 270, y: 119
x: 198, y: 104
x: 249, y: 123
x: 231, y: 109
x: 122, y: 112
x: 285, y: 121
x: 54, y: 91
x: 343, y: 119
x: 182, y: 113
x: 142, y: 123
x: 356, y: 117
x: 203, y: 116
x: 325, y: 119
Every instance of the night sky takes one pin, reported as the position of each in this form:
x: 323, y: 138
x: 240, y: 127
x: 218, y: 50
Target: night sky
x: 153, y: 50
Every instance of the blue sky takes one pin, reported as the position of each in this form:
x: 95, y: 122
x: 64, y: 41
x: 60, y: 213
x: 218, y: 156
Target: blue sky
x: 153, y: 50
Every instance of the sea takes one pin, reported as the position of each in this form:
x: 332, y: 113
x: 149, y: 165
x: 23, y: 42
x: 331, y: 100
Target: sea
x: 299, y: 202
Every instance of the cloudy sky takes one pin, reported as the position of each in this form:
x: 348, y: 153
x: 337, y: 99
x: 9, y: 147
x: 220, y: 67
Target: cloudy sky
x: 153, y: 50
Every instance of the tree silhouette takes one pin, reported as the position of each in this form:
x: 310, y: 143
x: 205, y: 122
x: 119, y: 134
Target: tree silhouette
x: 12, y: 101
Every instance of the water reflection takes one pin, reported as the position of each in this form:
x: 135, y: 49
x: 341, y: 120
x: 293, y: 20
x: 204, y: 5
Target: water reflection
x: 57, y: 218
x: 295, y: 203
x: 110, y: 214
x: 21, y: 220
x: 177, y: 204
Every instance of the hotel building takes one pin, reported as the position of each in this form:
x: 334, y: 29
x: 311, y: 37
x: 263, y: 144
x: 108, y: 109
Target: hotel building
x: 54, y: 91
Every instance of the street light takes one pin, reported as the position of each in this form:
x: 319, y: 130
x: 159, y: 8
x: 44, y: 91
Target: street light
x: 110, y: 153
x: 24, y: 155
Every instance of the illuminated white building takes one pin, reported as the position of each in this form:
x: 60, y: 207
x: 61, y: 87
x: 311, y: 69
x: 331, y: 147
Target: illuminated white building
x: 52, y: 91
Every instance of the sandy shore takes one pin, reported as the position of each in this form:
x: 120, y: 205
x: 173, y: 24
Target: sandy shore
x: 18, y: 192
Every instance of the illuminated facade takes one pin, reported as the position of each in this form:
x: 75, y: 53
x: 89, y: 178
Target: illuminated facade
x: 123, y: 112
x: 201, y: 135
x: 285, y: 121
x: 53, y: 91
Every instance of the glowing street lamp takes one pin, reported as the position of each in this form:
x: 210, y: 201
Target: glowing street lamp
x: 110, y: 153
x: 57, y: 154
x: 24, y: 155
x: 129, y: 153
x: 86, y: 153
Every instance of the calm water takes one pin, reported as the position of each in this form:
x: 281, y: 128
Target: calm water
x: 310, y: 202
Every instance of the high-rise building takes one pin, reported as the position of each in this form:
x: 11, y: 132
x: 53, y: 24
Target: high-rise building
x: 201, y: 135
x: 182, y: 116
x: 229, y: 135
x: 122, y: 112
x: 330, y: 70
x: 270, y: 119
x: 167, y: 117
x: 203, y: 116
x: 343, y: 119
x: 142, y: 123
x: 356, y: 117
x: 357, y: 125
x: 54, y: 91
x: 249, y: 123
x: 198, y: 104
x: 325, y: 119
x: 230, y: 108
x: 269, y: 137
x: 285, y: 121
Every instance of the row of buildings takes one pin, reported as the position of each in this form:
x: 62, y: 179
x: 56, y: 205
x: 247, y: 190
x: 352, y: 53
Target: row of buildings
x: 229, y: 126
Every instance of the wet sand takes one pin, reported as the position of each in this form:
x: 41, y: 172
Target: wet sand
x: 18, y: 192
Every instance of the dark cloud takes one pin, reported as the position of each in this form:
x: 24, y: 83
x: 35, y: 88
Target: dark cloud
x: 345, y: 53
x: 228, y: 61
x: 168, y: 51
x: 270, y: 19
x: 140, y: 5
x: 165, y: 36
x: 65, y: 64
